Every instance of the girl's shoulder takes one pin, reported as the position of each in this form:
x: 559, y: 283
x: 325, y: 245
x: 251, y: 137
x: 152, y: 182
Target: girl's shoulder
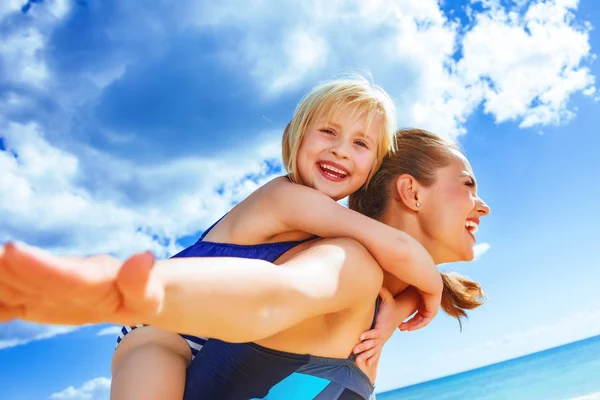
x: 254, y: 219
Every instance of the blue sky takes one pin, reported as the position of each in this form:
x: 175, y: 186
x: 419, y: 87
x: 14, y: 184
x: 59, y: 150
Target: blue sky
x: 125, y: 127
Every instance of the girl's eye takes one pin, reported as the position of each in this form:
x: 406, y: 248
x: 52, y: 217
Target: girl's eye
x: 327, y: 131
x: 362, y: 144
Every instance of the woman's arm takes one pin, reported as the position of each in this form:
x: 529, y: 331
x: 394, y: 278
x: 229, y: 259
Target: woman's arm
x: 232, y: 299
x: 305, y: 209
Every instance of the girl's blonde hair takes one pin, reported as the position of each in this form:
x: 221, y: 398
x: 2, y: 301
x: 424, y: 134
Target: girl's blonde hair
x: 354, y: 93
x: 419, y: 154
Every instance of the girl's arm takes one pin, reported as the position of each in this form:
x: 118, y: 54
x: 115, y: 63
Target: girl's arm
x: 236, y: 300
x: 301, y: 208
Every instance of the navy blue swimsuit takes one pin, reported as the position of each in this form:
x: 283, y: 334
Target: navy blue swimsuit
x: 242, y: 371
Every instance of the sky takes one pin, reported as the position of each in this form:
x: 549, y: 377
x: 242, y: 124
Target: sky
x: 128, y: 126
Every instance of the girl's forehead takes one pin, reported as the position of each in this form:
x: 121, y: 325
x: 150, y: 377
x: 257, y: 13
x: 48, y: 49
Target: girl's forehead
x: 350, y: 115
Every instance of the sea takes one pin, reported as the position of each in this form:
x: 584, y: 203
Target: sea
x: 569, y: 372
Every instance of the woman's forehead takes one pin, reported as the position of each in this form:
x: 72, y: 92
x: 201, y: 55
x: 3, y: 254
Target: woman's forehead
x: 461, y: 164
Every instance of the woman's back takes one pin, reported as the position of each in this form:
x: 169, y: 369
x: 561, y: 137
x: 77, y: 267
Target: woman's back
x: 309, y: 360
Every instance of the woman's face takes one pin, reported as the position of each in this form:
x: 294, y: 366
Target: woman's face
x: 450, y: 212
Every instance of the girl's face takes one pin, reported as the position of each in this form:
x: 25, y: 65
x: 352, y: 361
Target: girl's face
x: 336, y: 155
x: 450, y: 212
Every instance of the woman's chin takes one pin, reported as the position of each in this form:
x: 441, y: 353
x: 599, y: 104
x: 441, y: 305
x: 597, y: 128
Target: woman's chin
x: 465, y: 255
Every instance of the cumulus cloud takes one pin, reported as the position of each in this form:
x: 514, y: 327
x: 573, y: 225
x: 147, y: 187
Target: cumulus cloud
x: 150, y: 123
x: 48, y: 203
x: 109, y: 331
x: 480, y: 249
x: 19, y: 333
x: 9, y: 7
x: 94, y: 389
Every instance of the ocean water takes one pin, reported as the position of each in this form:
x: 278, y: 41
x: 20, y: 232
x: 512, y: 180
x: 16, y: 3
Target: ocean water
x: 569, y: 372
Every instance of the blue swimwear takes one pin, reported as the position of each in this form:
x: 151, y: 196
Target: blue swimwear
x: 242, y: 371
x: 268, y: 252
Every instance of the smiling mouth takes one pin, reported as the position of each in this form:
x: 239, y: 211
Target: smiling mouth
x: 332, y: 173
x: 472, y: 227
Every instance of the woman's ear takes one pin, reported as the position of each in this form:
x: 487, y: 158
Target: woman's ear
x: 407, y: 192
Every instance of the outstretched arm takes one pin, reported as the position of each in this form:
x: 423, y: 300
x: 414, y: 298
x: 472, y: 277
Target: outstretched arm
x: 305, y: 209
x: 237, y: 300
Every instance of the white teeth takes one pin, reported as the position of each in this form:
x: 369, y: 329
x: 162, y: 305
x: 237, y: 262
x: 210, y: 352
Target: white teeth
x: 334, y: 169
x: 472, y: 226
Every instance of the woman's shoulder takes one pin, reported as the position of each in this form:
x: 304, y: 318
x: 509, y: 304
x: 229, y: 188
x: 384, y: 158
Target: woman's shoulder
x: 348, y: 257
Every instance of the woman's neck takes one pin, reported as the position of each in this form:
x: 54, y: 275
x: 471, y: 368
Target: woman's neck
x: 407, y: 222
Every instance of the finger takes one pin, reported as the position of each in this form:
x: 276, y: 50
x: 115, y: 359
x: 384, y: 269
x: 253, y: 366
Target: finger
x: 419, y: 324
x: 9, y: 276
x: 375, y: 357
x: 371, y: 334
x: 35, y: 271
x: 366, y: 355
x: 141, y: 291
x: 12, y: 297
x: 63, y: 314
x: 412, y: 322
x: 8, y: 313
x: 366, y: 345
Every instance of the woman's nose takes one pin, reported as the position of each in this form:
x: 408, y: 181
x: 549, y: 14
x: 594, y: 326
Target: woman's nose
x: 482, y: 207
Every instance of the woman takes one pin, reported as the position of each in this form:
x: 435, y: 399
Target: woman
x: 318, y: 300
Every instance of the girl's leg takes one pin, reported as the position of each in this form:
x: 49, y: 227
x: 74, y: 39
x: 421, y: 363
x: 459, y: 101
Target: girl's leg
x: 150, y: 363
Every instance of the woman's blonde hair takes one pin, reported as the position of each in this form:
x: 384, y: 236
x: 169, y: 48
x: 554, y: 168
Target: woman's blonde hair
x: 353, y: 93
x: 420, y: 154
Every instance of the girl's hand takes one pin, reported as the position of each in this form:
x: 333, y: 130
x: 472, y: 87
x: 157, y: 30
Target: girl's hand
x: 392, y: 312
x: 369, y: 349
x: 39, y: 287
x: 429, y: 305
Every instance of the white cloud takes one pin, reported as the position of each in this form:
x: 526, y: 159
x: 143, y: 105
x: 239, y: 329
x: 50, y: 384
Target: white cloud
x: 591, y: 396
x: 109, y: 331
x: 94, y: 389
x: 19, y: 333
x: 521, y: 62
x: 529, y: 64
x: 9, y: 6
x: 44, y: 191
x: 480, y: 249
x: 21, y: 54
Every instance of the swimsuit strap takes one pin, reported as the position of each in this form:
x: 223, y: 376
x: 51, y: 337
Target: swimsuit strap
x: 210, y: 228
x: 377, y: 306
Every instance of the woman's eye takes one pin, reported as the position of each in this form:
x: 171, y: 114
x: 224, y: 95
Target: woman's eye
x: 470, y: 183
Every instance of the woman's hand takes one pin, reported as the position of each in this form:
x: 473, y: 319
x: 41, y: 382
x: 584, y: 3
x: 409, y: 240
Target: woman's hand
x: 37, y: 286
x: 392, y: 311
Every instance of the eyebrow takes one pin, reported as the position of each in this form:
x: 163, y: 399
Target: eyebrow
x: 332, y: 124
